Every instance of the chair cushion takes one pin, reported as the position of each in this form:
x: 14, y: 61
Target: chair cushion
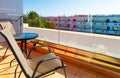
x: 46, y: 66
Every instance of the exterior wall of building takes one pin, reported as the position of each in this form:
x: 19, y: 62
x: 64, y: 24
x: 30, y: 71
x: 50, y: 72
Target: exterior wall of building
x: 68, y: 23
x: 101, y: 24
x: 12, y: 10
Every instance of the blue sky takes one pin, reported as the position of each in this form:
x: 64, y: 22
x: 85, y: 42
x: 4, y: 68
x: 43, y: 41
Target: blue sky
x: 71, y: 7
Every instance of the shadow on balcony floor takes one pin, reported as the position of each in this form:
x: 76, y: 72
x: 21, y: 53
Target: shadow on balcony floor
x: 73, y: 70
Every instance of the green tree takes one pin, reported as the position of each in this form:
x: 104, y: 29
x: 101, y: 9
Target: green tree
x: 45, y: 24
x: 52, y: 25
x: 25, y: 19
x: 34, y: 23
x: 33, y: 19
x: 32, y: 15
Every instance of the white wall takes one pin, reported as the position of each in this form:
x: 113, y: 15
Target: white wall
x: 11, y: 10
x: 44, y: 34
x: 104, y: 44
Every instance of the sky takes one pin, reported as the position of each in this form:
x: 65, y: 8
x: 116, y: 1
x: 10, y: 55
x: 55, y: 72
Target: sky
x: 71, y: 7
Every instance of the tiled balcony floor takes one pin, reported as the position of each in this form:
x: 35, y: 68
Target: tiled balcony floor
x: 73, y: 70
x: 8, y: 72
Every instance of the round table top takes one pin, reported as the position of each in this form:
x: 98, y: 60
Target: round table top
x: 25, y: 36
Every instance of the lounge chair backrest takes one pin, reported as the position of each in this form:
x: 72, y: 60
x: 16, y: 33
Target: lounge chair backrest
x: 8, y: 24
x: 16, y: 51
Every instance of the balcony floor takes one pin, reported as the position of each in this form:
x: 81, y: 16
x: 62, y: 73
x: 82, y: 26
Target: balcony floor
x: 73, y: 70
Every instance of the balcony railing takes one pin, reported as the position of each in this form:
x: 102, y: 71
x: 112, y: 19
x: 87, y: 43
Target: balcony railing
x: 101, y: 44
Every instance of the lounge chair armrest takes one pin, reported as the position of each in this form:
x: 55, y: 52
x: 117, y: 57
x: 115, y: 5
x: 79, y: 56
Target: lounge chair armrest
x: 43, y: 45
x: 47, y: 59
x: 35, y: 42
x: 40, y: 45
x: 44, y: 60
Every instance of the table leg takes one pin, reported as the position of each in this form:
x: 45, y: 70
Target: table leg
x: 24, y: 49
x: 25, y: 42
x: 22, y: 45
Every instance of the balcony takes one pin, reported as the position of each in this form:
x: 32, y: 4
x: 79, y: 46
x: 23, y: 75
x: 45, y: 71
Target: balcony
x: 83, y: 54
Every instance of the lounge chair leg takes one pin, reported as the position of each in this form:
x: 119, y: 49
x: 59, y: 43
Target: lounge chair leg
x: 15, y: 71
x: 65, y: 72
x: 28, y: 56
x: 11, y: 62
x: 5, y: 53
x: 20, y: 74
